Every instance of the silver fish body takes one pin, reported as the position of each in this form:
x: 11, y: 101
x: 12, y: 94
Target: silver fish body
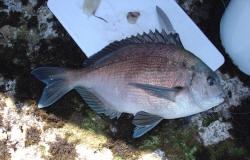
x: 151, y: 76
x: 153, y: 64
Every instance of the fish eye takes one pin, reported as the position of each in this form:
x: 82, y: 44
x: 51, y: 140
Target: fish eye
x: 210, y: 81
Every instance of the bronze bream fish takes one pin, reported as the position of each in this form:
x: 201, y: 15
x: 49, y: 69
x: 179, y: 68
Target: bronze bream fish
x: 150, y: 76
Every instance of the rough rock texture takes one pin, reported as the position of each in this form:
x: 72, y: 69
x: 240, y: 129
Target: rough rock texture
x: 93, y: 154
x: 214, y: 133
x: 30, y: 36
x: 157, y: 155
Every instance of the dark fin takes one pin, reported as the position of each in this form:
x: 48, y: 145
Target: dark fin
x: 144, y: 122
x: 150, y: 38
x: 95, y: 103
x: 159, y: 91
x: 188, y: 119
x: 56, y: 83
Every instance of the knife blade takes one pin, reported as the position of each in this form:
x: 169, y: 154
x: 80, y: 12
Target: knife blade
x: 164, y: 21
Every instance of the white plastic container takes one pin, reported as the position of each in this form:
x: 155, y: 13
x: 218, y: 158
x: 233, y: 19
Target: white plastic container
x: 235, y: 33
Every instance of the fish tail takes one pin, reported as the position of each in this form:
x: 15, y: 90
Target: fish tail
x: 57, y: 84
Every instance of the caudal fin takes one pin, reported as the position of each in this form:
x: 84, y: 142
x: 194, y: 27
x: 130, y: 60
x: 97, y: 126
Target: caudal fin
x: 56, y: 81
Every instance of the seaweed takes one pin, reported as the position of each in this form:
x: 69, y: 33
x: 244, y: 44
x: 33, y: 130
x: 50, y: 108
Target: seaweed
x: 32, y: 136
x: 39, y: 4
x: 5, y: 154
x: 7, y: 126
x: 12, y: 19
x: 58, y: 52
x: 2, y: 5
x: 122, y: 149
x: 210, y: 118
x: 124, y: 128
x: 170, y: 136
x: 32, y: 22
x: 52, y: 121
x: 241, y: 122
x: 24, y: 2
x: 1, y: 120
x: 75, y: 129
x: 43, y: 151
x: 224, y: 150
x: 62, y: 150
x: 2, y: 105
x: 14, y: 61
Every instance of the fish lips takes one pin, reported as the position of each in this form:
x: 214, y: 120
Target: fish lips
x: 212, y: 102
x: 209, y: 103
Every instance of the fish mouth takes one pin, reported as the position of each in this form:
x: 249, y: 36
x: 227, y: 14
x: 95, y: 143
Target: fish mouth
x: 211, y: 103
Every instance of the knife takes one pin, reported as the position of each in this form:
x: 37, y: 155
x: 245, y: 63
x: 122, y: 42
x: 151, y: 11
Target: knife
x: 164, y: 21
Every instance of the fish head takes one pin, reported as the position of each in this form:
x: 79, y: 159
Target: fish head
x: 205, y: 89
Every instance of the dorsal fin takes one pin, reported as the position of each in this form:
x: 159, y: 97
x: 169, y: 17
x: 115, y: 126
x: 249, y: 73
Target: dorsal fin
x: 150, y: 38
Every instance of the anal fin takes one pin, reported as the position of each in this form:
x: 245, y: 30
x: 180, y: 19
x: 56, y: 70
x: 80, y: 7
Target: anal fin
x: 95, y: 103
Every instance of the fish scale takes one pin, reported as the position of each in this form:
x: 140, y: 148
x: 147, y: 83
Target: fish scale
x: 140, y: 71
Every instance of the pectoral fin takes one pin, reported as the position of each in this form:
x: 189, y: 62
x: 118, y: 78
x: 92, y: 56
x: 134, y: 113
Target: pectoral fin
x: 159, y: 91
x: 144, y: 122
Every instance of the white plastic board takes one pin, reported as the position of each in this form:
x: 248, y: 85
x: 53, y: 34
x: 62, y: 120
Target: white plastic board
x: 92, y: 34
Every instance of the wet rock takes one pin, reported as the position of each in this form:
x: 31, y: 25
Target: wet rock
x: 156, y: 155
x: 93, y: 154
x: 215, y: 132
